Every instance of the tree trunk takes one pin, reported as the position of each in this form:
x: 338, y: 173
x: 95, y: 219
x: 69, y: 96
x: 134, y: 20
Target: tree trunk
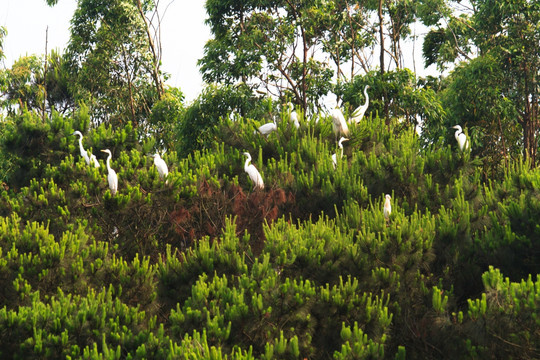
x: 381, y: 28
x: 45, y: 75
x: 130, y: 89
x: 155, y: 68
x: 381, y: 33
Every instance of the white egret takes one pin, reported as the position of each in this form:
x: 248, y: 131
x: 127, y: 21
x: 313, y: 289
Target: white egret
x: 84, y: 153
x: 268, y: 128
x: 339, y: 125
x: 111, y: 177
x: 253, y: 173
x: 387, y: 207
x: 358, y: 114
x: 461, y: 138
x: 94, y: 160
x: 161, y: 166
x: 340, y: 145
x: 293, y: 116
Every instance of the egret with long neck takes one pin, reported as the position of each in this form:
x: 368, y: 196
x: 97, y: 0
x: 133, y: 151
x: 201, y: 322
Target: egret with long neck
x: 268, y: 128
x: 87, y: 158
x: 253, y: 173
x: 358, y: 114
x: 340, y: 145
x: 111, y: 177
x: 339, y: 125
x: 461, y: 138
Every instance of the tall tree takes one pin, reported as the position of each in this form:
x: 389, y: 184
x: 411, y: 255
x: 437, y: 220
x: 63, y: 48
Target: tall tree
x: 114, y: 58
x: 507, y: 33
x: 268, y: 45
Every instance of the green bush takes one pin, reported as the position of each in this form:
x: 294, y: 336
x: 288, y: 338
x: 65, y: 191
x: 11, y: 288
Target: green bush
x: 202, y: 266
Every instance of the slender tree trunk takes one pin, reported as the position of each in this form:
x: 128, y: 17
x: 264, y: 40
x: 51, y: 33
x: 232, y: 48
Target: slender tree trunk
x: 155, y: 68
x: 381, y: 31
x: 304, y: 69
x: 45, y: 75
x: 353, y: 39
x: 130, y: 88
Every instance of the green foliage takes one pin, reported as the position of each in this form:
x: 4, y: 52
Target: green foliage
x: 497, y: 87
x: 411, y: 101
x: 202, y: 266
x: 195, y: 129
x: 166, y: 112
x: 32, y: 143
x: 254, y: 42
x: 473, y: 99
x: 30, y: 84
x: 22, y: 85
x: 110, y: 60
x: 3, y: 33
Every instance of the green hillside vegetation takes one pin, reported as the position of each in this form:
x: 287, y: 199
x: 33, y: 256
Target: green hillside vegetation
x: 204, y: 267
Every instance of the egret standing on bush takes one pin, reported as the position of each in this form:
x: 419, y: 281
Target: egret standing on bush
x: 387, y: 210
x: 161, y: 166
x: 253, y: 173
x: 340, y: 145
x: 293, y: 116
x: 111, y: 177
x: 268, y: 128
x: 358, y: 114
x: 339, y: 125
x: 461, y: 138
x: 84, y: 153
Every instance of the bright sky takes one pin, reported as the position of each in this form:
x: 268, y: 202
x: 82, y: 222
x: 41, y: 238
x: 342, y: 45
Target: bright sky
x: 183, y: 35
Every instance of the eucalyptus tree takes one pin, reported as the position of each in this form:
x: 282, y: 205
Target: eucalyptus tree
x: 115, y: 59
x: 269, y: 45
x: 505, y: 36
x: 32, y: 85
x: 20, y: 85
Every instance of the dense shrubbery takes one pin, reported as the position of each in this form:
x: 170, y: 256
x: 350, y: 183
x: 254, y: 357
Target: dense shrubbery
x: 205, y: 267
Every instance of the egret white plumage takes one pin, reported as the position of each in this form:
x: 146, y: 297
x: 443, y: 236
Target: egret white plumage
x: 268, y: 128
x: 340, y: 145
x: 88, y: 158
x: 111, y: 177
x: 339, y: 125
x: 94, y: 160
x: 461, y: 138
x: 161, y: 166
x: 358, y: 114
x: 293, y: 116
x: 253, y: 173
x: 387, y: 210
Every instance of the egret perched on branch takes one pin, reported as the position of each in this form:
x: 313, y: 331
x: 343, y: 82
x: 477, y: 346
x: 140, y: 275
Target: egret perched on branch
x: 161, y: 166
x: 461, y: 138
x: 387, y: 207
x: 340, y: 145
x: 358, y: 114
x: 339, y: 125
x: 84, y: 153
x: 268, y: 128
x: 253, y: 173
x: 111, y: 177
